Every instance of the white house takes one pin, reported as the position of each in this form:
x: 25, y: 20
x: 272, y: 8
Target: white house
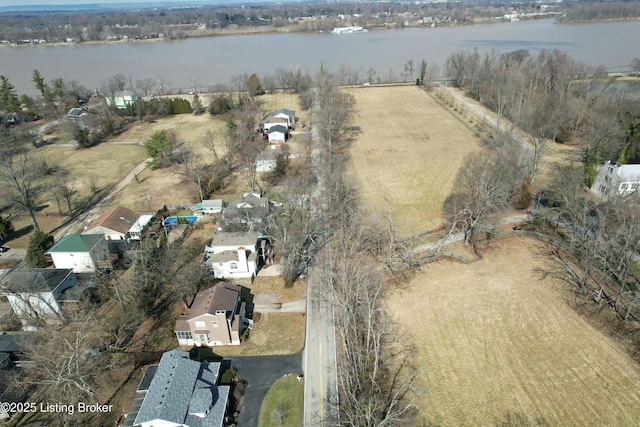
x: 83, y: 253
x: 615, y: 179
x: 34, y: 293
x: 277, y: 134
x: 234, y: 265
x: 269, y: 122
x: 122, y: 99
x: 283, y: 113
x: 232, y: 255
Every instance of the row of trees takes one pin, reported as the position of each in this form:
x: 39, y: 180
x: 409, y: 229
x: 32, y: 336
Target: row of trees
x: 375, y: 376
x: 596, y: 11
x: 184, y: 22
x: 551, y: 97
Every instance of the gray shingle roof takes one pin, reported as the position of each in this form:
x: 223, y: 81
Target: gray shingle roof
x: 285, y: 111
x: 224, y: 256
x: 214, y: 203
x: 278, y: 128
x: 184, y: 391
x: 237, y: 239
x: 36, y: 279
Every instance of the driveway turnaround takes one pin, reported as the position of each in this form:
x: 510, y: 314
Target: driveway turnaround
x: 260, y: 372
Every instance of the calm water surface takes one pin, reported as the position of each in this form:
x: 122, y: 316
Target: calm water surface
x: 213, y: 60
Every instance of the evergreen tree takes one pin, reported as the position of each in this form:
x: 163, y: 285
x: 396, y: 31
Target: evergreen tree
x: 160, y: 148
x: 197, y: 105
x: 39, y: 243
x: 8, y: 97
x: 42, y: 87
x: 6, y: 228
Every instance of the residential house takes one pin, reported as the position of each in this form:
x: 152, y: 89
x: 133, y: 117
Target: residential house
x: 277, y: 134
x: 34, y: 294
x: 209, y: 206
x: 240, y: 265
x: 122, y: 99
x: 83, y: 253
x: 267, y: 160
x: 115, y: 224
x: 232, y: 256
x: 250, y: 209
x: 615, y: 179
x: 139, y: 227
x: 217, y: 317
x: 231, y: 241
x: 269, y: 122
x: 78, y: 117
x: 181, y: 392
x: 285, y: 114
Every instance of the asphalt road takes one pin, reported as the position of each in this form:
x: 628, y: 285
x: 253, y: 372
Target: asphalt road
x: 260, y: 372
x: 321, y: 383
x: 320, y: 386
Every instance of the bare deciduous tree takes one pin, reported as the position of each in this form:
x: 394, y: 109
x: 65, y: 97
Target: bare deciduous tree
x: 375, y: 375
x: 483, y: 186
x: 63, y: 369
x: 20, y: 175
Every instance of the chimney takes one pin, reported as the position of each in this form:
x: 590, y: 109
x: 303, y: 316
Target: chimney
x: 242, y: 258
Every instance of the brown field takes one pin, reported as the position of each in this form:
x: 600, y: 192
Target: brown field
x: 409, y: 151
x: 495, y: 341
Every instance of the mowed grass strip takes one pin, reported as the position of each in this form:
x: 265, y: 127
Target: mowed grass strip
x: 408, y: 152
x: 284, y: 404
x: 494, y: 341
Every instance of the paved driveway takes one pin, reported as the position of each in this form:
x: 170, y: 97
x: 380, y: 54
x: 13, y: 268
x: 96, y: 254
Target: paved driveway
x: 260, y: 372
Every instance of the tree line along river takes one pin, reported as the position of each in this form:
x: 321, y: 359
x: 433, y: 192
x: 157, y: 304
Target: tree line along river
x: 206, y: 61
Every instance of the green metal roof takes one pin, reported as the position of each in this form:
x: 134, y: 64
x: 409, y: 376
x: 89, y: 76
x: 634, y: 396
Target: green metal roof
x: 76, y: 243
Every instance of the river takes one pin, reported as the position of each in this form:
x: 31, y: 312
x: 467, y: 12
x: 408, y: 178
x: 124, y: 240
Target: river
x: 206, y: 61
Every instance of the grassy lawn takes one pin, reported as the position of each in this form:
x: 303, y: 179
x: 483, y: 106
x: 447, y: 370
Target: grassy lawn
x: 275, y: 285
x: 284, y: 404
x: 273, y: 333
x: 408, y: 153
x: 499, y: 342
x: 103, y: 164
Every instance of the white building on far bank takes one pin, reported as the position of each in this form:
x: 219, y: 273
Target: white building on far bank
x: 615, y: 179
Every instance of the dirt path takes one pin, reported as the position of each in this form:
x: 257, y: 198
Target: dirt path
x: 93, y: 213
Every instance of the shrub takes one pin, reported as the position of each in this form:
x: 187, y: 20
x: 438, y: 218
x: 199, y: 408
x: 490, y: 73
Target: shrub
x: 179, y: 106
x: 227, y: 377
